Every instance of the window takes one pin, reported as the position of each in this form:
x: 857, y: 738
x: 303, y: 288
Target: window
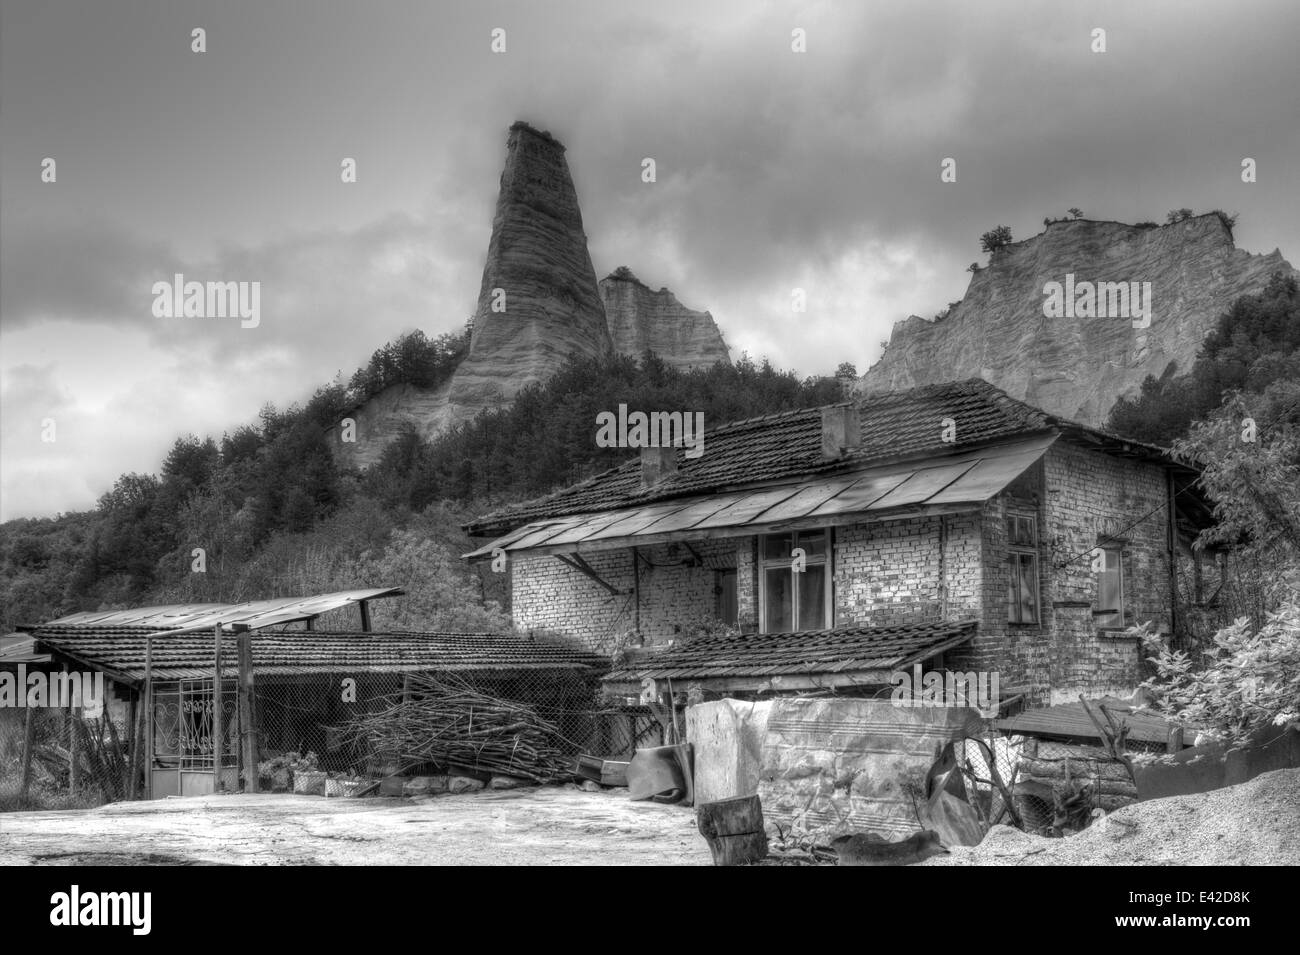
x: 1022, y: 569
x: 183, y: 724
x: 792, y: 599
x: 724, y: 588
x: 1109, y: 612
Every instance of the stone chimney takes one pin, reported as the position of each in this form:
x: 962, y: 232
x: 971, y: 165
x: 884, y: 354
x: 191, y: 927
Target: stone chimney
x: 657, y: 464
x: 840, y: 431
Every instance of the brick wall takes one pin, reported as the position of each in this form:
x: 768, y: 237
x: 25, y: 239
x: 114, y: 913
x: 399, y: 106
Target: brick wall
x: 915, y: 569
x: 1091, y: 496
x: 547, y: 595
x: 1079, y: 498
x: 888, y: 572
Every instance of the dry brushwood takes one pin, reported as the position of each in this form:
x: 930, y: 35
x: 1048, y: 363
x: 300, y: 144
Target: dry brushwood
x: 449, y: 723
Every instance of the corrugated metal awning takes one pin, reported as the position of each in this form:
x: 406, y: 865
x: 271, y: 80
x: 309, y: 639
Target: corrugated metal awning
x: 954, y: 481
x: 255, y: 613
x: 1070, y: 721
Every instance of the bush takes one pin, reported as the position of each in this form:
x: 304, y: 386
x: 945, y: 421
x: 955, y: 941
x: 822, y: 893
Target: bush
x: 1249, y: 678
x: 995, y: 239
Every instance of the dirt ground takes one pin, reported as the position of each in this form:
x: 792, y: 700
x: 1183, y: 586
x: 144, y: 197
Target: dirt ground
x: 534, y: 826
x: 1253, y: 823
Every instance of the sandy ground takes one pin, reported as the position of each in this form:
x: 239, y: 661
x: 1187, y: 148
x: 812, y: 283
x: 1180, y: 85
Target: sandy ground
x: 1254, y: 823
x: 534, y: 826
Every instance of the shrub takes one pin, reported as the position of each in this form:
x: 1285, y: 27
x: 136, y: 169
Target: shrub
x: 995, y: 239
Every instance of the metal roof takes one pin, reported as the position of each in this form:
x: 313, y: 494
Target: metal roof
x: 814, y: 652
x: 204, y: 616
x: 1069, y: 720
x: 184, y: 656
x: 953, y: 481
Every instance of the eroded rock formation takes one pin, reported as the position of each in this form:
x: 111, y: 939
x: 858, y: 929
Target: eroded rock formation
x: 1079, y: 366
x: 538, y: 303
x: 641, y: 319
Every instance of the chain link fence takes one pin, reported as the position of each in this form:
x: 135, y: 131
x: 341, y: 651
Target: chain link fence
x: 60, y: 758
x: 530, y: 724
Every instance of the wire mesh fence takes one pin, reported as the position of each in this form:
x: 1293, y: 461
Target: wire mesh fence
x: 528, y: 724
x: 61, y: 758
x: 323, y: 729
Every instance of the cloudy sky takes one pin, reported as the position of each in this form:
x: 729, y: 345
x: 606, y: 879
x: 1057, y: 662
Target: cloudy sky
x: 775, y: 170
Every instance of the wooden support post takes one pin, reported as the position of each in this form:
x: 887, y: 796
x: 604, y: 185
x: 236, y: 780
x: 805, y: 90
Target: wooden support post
x: 131, y: 785
x: 148, y: 717
x: 216, y: 727
x: 1175, y: 742
x: 248, y: 732
x: 365, y: 615
x: 29, y: 732
x: 74, y: 770
x: 733, y: 828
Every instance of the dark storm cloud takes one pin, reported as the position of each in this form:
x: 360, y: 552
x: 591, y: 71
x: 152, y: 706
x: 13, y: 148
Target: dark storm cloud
x: 775, y: 170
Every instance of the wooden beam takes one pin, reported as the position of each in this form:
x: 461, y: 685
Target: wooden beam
x: 74, y: 770
x: 148, y: 717
x: 135, y: 710
x: 248, y: 732
x: 116, y: 676
x: 582, y: 567
x: 29, y: 733
x: 779, y: 683
x: 216, y: 727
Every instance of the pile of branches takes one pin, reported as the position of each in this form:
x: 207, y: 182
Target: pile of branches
x: 447, y: 722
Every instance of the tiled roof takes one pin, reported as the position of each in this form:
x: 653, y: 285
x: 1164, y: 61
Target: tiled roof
x: 844, y: 650
x: 957, y: 480
x: 896, y: 425
x: 121, y: 650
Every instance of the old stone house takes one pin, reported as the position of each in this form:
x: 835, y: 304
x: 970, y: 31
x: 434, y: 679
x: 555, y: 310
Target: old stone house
x: 948, y: 525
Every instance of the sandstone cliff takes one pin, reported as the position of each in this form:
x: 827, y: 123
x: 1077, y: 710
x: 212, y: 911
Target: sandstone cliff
x: 1078, y: 367
x: 538, y: 267
x: 539, y: 270
x: 642, y: 319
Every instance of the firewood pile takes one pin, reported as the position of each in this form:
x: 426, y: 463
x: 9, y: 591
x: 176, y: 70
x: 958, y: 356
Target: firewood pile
x: 447, y: 722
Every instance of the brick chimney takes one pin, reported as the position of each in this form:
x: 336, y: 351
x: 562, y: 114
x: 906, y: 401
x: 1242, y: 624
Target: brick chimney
x: 840, y: 430
x: 657, y: 464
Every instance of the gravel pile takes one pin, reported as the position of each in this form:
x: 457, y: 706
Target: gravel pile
x: 1254, y: 823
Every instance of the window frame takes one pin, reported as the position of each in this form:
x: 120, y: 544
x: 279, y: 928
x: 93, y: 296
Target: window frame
x: 1110, y: 618
x: 825, y: 559
x: 727, y: 606
x: 1016, y: 551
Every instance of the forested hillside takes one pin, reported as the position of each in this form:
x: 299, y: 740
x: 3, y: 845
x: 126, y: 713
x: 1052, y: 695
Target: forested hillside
x: 265, y: 510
